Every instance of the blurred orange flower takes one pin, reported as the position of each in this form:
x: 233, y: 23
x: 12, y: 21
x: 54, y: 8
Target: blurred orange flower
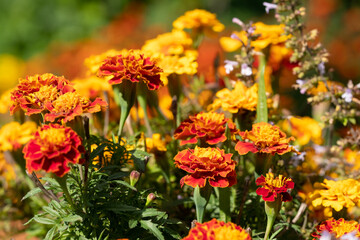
x: 218, y: 230
x: 14, y: 135
x: 265, y: 138
x: 273, y: 188
x: 52, y: 149
x: 337, y: 228
x: 209, y: 127
x: 204, y: 164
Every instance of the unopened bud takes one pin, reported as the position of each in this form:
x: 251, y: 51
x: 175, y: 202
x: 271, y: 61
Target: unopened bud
x: 134, y: 177
x: 151, y: 197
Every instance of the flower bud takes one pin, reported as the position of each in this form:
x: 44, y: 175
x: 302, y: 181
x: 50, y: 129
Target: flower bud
x: 134, y: 177
x: 151, y: 197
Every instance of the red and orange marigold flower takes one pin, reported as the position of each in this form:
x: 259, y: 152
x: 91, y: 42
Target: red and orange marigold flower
x: 265, y: 138
x: 52, y: 149
x: 204, y: 164
x: 217, y: 230
x: 273, y: 188
x: 209, y: 127
x: 134, y: 67
x: 337, y: 228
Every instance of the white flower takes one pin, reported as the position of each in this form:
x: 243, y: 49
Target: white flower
x: 234, y: 36
x: 229, y: 66
x: 238, y: 22
x: 301, y: 83
x: 325, y: 235
x: 269, y: 6
x: 246, y: 70
x: 321, y: 68
x: 347, y: 95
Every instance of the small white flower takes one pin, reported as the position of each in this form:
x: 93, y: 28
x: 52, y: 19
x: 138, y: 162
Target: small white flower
x: 269, y: 6
x: 229, y: 66
x: 321, y: 68
x: 238, y: 22
x: 350, y: 236
x: 347, y: 95
x: 301, y: 83
x: 246, y: 70
x: 234, y: 36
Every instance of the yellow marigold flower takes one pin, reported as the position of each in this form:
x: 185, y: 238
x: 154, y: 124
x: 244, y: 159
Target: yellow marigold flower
x: 5, y: 101
x: 217, y: 230
x: 269, y: 34
x: 337, y: 194
x: 337, y: 228
x: 303, y: 129
x: 237, y: 100
x: 199, y: 20
x: 92, y: 87
x: 155, y: 144
x: 6, y: 169
x: 11, y: 69
x: 14, y: 135
x: 94, y: 62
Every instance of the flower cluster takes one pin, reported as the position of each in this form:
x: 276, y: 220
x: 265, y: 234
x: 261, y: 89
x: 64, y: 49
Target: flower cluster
x: 209, y: 126
x: 274, y: 187
x: 337, y: 194
x: 204, y: 164
x: 52, y: 149
x: 337, y: 228
x: 265, y: 138
x: 134, y: 67
x: 237, y: 100
x: 218, y: 230
x: 54, y: 96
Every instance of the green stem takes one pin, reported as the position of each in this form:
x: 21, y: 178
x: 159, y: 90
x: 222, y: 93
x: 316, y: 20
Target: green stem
x: 201, y: 199
x: 224, y: 204
x: 272, y: 209
x: 142, y: 102
x: 261, y: 109
x: 63, y: 185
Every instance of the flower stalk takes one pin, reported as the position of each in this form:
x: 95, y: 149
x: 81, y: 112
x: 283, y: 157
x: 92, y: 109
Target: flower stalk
x: 201, y: 199
x: 261, y: 109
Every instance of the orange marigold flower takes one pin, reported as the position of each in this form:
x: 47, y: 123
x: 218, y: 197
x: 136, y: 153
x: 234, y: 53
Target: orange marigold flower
x: 14, y: 135
x: 70, y: 105
x: 208, y: 126
x: 198, y: 19
x: 217, y: 230
x: 265, y: 138
x: 337, y: 228
x: 273, y: 188
x: 134, y: 67
x: 52, y: 149
x: 34, y: 92
x: 337, y: 194
x: 206, y: 163
x: 237, y: 100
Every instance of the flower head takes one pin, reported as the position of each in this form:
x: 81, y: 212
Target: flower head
x: 198, y: 20
x: 204, y: 164
x: 218, y: 230
x: 155, y: 144
x: 134, y: 67
x: 273, y: 187
x: 5, y: 101
x: 34, y: 92
x: 229, y: 66
x: 71, y: 104
x: 237, y: 100
x: 14, y: 135
x: 52, y: 149
x: 337, y: 194
x: 208, y: 126
x: 337, y: 228
x: 265, y: 138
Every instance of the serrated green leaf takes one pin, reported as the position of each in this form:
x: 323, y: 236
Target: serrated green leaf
x: 31, y: 193
x: 132, y: 223
x: 44, y: 220
x: 50, y: 234
x: 148, y: 225
x: 72, y: 218
x: 119, y: 208
x: 51, y: 211
x: 152, y: 212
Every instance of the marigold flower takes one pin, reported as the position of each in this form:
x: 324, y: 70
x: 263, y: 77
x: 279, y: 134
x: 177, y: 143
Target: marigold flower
x: 155, y: 144
x: 94, y: 62
x: 273, y: 188
x: 132, y: 67
x: 209, y: 127
x: 71, y: 104
x: 303, y: 129
x: 336, y: 194
x: 265, y: 138
x: 14, y: 135
x: 338, y: 228
x: 269, y: 34
x: 237, y: 100
x: 353, y: 158
x: 206, y: 164
x: 34, y: 92
x: 92, y: 87
x: 5, y: 101
x: 218, y: 230
x: 52, y: 149
x: 198, y: 19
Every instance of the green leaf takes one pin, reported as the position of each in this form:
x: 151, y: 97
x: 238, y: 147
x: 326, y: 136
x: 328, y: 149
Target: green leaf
x: 119, y: 208
x: 31, y: 193
x: 276, y: 233
x: 72, y: 218
x: 152, y: 212
x: 126, y: 184
x: 139, y: 156
x: 44, y: 220
x: 132, y: 223
x: 201, y: 199
x: 51, y: 211
x: 50, y: 234
x: 147, y: 224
